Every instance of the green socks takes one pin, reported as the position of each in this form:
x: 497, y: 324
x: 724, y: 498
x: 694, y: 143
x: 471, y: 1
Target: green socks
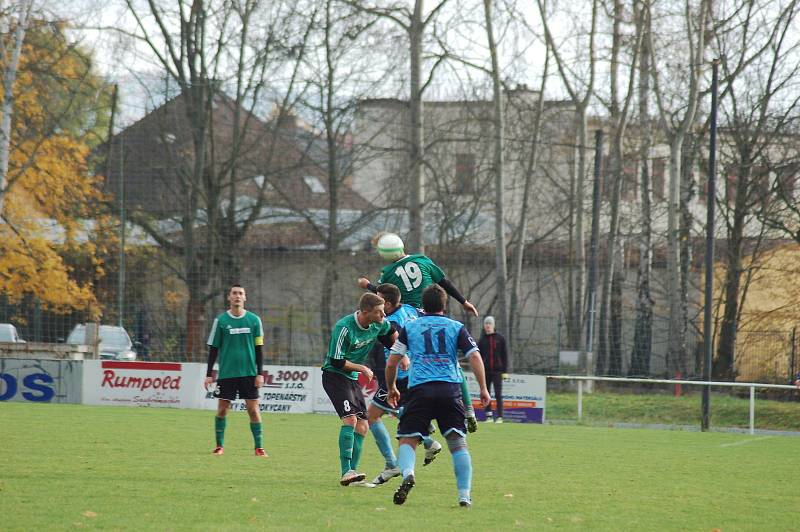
x: 255, y: 428
x: 346, y: 447
x: 219, y: 430
x: 358, y: 443
x: 466, y: 398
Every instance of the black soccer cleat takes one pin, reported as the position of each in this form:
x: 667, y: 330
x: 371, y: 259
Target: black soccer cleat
x: 402, y: 492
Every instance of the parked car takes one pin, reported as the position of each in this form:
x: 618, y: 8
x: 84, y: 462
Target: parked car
x: 9, y: 334
x: 115, y: 344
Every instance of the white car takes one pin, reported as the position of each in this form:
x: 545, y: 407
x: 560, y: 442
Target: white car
x: 115, y: 344
x: 9, y: 334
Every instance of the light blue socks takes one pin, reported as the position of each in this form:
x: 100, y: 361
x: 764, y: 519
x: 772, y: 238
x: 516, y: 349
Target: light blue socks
x: 384, y: 442
x: 407, y: 458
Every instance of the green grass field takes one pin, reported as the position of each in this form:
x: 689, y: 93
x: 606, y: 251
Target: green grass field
x: 71, y: 466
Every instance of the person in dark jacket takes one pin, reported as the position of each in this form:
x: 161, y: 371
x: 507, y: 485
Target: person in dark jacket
x: 492, y: 347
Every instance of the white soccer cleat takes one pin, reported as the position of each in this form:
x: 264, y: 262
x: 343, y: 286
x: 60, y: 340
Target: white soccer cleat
x: 352, y: 476
x: 498, y: 420
x: 430, y: 454
x: 386, y: 475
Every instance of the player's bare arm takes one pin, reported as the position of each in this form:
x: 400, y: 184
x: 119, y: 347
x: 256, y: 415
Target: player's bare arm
x: 476, y: 363
x: 366, y: 284
x: 404, y: 363
x: 469, y: 307
x: 391, y: 378
x: 360, y: 368
x: 453, y: 292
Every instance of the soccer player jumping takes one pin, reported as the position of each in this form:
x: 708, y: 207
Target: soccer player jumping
x: 432, y: 342
x: 352, y: 339
x: 412, y: 274
x: 237, y: 337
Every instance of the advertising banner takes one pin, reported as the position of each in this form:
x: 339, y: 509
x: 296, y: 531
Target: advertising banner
x: 286, y: 389
x: 523, y: 398
x: 111, y: 382
x: 40, y: 381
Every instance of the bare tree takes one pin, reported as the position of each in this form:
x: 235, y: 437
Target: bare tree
x: 212, y: 50
x: 498, y: 122
x: 522, y: 224
x: 759, y: 108
x: 678, y: 112
x: 413, y: 22
x: 609, y: 344
x: 643, y: 328
x: 340, y: 72
x: 13, y: 24
x: 581, y: 90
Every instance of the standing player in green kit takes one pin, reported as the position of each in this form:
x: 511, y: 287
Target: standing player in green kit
x: 352, y: 339
x: 237, y: 339
x: 412, y: 274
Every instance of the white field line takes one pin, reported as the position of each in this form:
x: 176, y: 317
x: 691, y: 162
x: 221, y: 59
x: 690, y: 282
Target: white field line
x: 742, y: 442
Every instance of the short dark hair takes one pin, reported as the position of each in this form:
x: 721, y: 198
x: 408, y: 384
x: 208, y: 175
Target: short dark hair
x: 390, y: 293
x: 434, y: 299
x: 369, y: 301
x: 235, y: 285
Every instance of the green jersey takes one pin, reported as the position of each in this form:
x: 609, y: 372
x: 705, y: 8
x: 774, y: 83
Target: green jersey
x: 236, y: 339
x: 350, y: 341
x: 412, y: 274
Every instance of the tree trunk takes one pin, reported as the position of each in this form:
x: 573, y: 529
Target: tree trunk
x: 723, y: 366
x: 686, y: 224
x: 195, y: 330
x: 329, y: 116
x: 501, y: 273
x: 674, y: 277
x: 615, y: 318
x: 416, y: 138
x: 580, y: 249
x: 643, y: 328
x: 519, y: 255
x: 10, y: 65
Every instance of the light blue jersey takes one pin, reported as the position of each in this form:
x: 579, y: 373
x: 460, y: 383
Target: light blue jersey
x: 402, y: 315
x: 432, y: 343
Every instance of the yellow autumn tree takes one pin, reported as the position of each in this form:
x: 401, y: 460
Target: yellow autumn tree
x: 769, y: 313
x: 53, y: 232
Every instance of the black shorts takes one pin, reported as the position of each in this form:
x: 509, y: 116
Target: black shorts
x: 228, y: 389
x: 381, y: 397
x: 433, y: 400
x: 345, y: 394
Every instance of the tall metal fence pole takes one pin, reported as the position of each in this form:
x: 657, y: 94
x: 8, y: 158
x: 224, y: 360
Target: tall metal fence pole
x: 709, y: 292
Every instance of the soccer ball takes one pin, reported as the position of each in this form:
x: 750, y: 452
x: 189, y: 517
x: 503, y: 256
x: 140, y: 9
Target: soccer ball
x: 390, y: 246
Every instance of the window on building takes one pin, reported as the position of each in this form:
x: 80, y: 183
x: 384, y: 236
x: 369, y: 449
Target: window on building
x: 659, y: 177
x: 630, y: 184
x: 787, y: 180
x: 465, y: 173
x: 314, y: 184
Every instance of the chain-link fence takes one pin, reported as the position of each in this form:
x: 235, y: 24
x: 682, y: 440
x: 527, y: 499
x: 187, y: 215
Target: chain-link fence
x: 287, y: 297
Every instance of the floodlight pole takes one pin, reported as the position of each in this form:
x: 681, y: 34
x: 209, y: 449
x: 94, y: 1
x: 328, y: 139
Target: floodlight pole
x: 709, y: 287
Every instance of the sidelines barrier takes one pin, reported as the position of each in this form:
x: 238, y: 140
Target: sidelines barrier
x: 523, y: 398
x: 286, y: 389
x: 40, y: 381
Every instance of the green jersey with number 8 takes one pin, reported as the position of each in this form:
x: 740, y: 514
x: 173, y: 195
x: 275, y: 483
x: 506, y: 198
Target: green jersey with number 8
x: 412, y: 274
